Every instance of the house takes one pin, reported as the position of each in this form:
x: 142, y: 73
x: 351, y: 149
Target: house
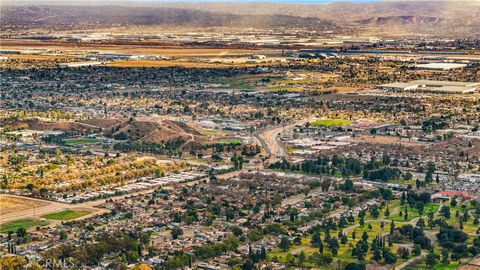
x: 447, y: 195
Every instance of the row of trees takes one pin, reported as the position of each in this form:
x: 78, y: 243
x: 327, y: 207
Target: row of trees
x: 373, y: 170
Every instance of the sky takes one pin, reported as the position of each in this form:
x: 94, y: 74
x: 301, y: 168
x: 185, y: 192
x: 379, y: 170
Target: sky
x: 269, y: 1
x: 198, y: 1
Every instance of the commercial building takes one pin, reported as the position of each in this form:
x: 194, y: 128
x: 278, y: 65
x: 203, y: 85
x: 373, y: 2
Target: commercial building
x: 440, y: 66
x: 440, y: 87
x: 81, y: 64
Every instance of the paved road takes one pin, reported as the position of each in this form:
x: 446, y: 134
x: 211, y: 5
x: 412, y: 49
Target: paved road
x: 270, y: 141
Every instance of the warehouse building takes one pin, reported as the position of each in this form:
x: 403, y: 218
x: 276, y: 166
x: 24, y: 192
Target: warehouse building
x: 80, y: 64
x: 440, y: 66
x: 440, y: 87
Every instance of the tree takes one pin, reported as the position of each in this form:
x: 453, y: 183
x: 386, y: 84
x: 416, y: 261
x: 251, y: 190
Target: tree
x: 417, y: 250
x: 63, y: 235
x: 445, y: 256
x: 30, y: 187
x: 263, y: 253
x: 355, y: 266
x: 431, y: 259
x: 445, y: 211
x: 177, y: 231
x: 325, y: 185
x: 374, y: 212
x: 389, y: 256
x: 403, y: 198
x: 365, y: 236
x: 315, y: 239
x: 420, y: 223
x: 43, y: 192
x: 377, y: 255
x: 404, y: 253
x: 453, y: 202
x: 236, y: 231
x: 284, y: 244
x: 347, y: 185
x: 247, y: 265
x: 362, y: 220
x: 321, y: 259
x: 320, y: 246
x: 387, y: 194
x: 343, y: 239
x: 301, y: 258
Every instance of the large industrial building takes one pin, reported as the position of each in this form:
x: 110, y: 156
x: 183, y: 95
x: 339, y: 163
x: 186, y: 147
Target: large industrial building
x: 441, y: 87
x: 440, y: 66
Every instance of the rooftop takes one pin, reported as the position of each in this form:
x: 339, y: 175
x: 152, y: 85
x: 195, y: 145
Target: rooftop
x: 440, y: 66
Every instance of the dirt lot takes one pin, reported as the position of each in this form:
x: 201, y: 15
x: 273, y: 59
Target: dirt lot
x: 386, y: 140
x: 37, y: 57
x: 10, y: 204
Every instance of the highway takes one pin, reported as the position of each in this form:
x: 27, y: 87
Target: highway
x: 271, y: 143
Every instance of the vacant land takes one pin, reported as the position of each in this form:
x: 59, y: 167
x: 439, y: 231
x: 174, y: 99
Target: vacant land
x: 10, y: 204
x: 23, y: 223
x: 386, y: 140
x: 66, y: 215
x: 331, y: 123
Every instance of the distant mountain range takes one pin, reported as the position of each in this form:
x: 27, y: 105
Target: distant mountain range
x: 93, y: 17
x: 448, y: 18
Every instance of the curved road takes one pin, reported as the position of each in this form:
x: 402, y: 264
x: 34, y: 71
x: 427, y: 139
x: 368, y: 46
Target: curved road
x: 270, y: 141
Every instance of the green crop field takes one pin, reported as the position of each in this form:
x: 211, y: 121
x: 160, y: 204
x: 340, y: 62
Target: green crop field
x: 66, y: 215
x: 331, y: 123
x: 23, y: 223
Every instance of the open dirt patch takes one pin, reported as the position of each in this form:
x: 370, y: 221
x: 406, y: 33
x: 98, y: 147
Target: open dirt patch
x: 10, y: 204
x: 386, y: 140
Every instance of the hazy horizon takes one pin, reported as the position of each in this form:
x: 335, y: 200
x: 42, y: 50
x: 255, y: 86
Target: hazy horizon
x: 193, y: 2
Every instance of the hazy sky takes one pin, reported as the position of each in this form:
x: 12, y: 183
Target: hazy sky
x: 190, y: 1
x: 274, y: 1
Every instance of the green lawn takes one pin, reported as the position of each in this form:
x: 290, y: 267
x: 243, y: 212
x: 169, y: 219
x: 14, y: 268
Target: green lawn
x: 237, y: 84
x: 66, y: 215
x: 212, y: 132
x: 81, y: 141
x: 331, y: 123
x: 283, y: 88
x: 413, y: 213
x: 230, y: 141
x: 373, y: 232
x: 22, y: 223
